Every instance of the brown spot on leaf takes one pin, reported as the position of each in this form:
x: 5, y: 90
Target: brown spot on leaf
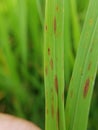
x: 56, y: 84
x: 86, y: 87
x: 54, y: 24
x: 51, y: 64
x: 48, y: 51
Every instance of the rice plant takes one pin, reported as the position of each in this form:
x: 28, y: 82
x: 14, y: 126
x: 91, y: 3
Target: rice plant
x: 48, y: 62
x: 84, y: 72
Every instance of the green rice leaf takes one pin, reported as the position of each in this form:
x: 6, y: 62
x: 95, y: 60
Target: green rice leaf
x: 84, y: 73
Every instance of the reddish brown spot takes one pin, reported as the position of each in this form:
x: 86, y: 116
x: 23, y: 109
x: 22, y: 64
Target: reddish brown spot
x: 48, y: 51
x: 56, y: 84
x: 89, y: 66
x: 52, y: 110
x: 54, y: 24
x: 46, y: 71
x: 51, y: 63
x: 86, y: 87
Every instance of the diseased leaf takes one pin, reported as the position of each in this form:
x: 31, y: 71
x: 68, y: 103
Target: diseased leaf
x: 84, y: 73
x: 54, y: 64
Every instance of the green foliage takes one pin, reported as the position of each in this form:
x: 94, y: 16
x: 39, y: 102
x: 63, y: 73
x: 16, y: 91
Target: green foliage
x: 21, y: 70
x: 54, y: 64
x: 85, y: 68
x: 23, y: 38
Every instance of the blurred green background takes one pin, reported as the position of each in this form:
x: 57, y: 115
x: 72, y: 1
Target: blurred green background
x: 21, y: 57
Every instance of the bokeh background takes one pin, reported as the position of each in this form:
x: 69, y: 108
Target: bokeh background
x: 21, y: 57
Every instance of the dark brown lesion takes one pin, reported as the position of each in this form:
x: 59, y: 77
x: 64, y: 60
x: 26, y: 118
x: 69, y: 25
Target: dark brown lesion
x: 86, y: 87
x: 48, y: 51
